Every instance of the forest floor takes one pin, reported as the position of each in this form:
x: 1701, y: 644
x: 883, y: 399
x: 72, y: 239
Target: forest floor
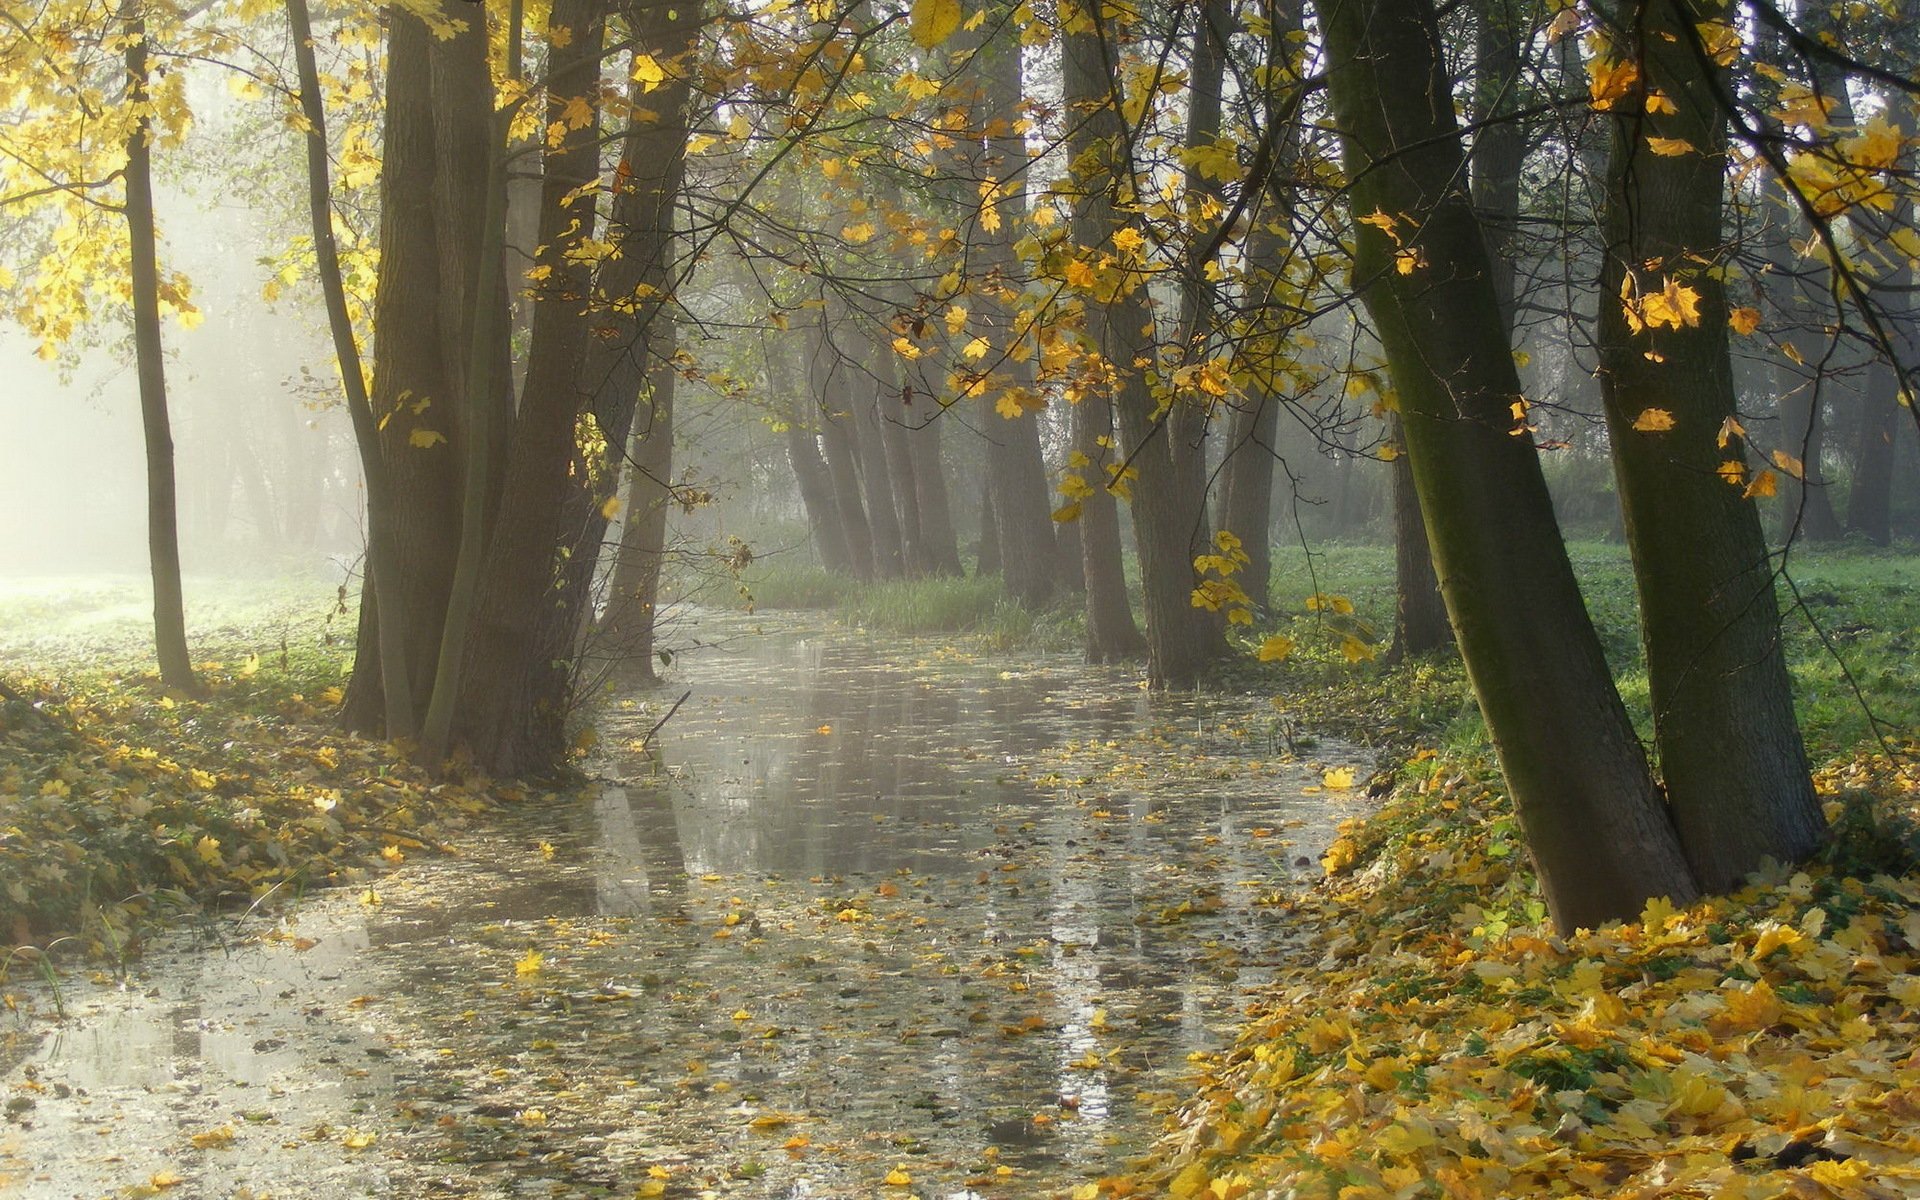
x: 1755, y: 1045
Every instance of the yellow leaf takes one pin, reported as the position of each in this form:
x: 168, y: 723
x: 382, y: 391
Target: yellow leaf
x: 425, y: 439
x: 1744, y: 320
x: 956, y: 318
x: 211, y: 1138
x: 1128, y: 241
x: 1275, y: 648
x: 931, y: 22
x: 1669, y: 147
x: 647, y: 73
x: 359, y: 1139
x: 976, y: 349
x: 1730, y: 429
x: 611, y: 508
x: 1079, y: 275
x: 898, y: 1177
x: 858, y: 235
x: 164, y: 1180
x: 1611, y: 82
x: 1733, y: 471
x: 531, y: 964
x: 1788, y: 463
x: 1337, y: 778
x: 1067, y: 512
x: 1653, y: 420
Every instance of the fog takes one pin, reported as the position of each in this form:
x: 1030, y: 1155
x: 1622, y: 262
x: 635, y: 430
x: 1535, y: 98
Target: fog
x: 267, y: 476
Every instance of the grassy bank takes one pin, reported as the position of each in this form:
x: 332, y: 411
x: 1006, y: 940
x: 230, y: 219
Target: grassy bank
x: 975, y: 606
x: 1434, y: 1038
x: 121, y: 803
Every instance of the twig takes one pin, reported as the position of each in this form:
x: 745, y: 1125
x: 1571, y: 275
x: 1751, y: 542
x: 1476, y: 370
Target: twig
x: 645, y: 741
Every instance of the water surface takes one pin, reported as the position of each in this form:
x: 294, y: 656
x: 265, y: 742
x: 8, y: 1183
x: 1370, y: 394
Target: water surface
x: 868, y: 915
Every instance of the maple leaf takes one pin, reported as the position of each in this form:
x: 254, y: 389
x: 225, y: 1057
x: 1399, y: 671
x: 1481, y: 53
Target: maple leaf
x: 1744, y: 321
x: 1653, y: 420
x: 931, y: 22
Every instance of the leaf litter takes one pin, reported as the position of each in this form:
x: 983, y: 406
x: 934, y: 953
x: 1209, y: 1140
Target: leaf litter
x: 927, y: 925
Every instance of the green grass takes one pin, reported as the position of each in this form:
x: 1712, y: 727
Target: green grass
x: 1850, y: 624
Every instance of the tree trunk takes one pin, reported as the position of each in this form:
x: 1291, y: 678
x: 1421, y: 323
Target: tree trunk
x: 1016, y: 470
x: 987, y: 561
x: 633, y: 601
x: 1420, y: 623
x: 930, y: 484
x: 1111, y: 632
x: 1599, y: 836
x: 418, y: 434
x: 1189, y: 422
x: 897, y: 453
x: 1870, y: 503
x: 1247, y: 511
x: 384, y: 569
x: 590, y: 356
x: 870, y: 452
x: 827, y: 380
x: 1730, y: 749
x: 1181, y: 638
x: 163, y: 529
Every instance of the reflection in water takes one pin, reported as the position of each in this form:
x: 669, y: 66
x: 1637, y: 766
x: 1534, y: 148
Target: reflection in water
x: 867, y: 908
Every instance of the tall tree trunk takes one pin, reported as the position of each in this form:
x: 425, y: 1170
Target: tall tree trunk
x: 930, y: 484
x: 471, y: 264
x: 1111, y: 632
x: 1499, y: 152
x: 1189, y: 422
x: 1420, y: 624
x: 987, y: 562
x: 1181, y: 638
x: 1730, y: 749
x: 384, y: 569
x: 1015, y: 468
x: 915, y: 555
x: 633, y: 601
x: 816, y: 493
x: 1248, y: 509
x: 828, y: 384
x: 870, y: 450
x: 1599, y: 835
x: 592, y: 346
x: 1251, y: 452
x: 163, y: 529
x: 414, y: 409
x: 1800, y: 295
x: 1870, y: 502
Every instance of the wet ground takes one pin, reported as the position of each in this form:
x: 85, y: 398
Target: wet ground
x: 868, y: 917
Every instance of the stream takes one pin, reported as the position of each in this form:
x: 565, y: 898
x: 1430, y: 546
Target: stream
x: 870, y: 916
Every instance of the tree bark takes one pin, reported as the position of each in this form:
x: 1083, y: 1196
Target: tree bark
x: 930, y: 485
x: 591, y: 352
x: 1599, y: 836
x: 1016, y: 470
x: 383, y: 559
x: 897, y: 452
x: 163, y: 528
x: 414, y: 408
x: 1112, y: 634
x: 1182, y: 640
x: 828, y: 385
x: 633, y: 600
x: 1730, y: 749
